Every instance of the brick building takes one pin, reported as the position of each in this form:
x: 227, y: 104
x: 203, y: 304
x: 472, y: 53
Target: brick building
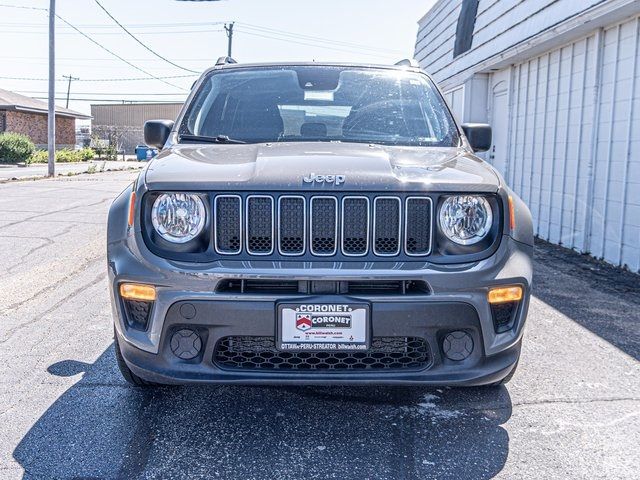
x: 26, y: 115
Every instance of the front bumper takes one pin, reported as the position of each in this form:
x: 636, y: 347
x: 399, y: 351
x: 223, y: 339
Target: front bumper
x: 457, y: 300
x: 217, y: 320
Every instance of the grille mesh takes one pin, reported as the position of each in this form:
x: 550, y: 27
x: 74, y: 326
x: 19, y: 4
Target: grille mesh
x: 355, y: 223
x: 418, y: 226
x: 252, y: 224
x: 323, y: 225
x: 228, y: 224
x: 292, y: 219
x: 138, y: 313
x: 387, y: 226
x: 260, y: 353
x: 260, y: 225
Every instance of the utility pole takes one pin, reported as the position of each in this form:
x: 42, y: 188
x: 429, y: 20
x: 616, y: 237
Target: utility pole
x: 51, y: 120
x: 229, y: 30
x: 70, y: 78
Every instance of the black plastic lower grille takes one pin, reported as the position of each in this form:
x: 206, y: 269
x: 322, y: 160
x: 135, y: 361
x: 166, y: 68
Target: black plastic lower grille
x: 137, y: 313
x: 504, y: 315
x: 260, y: 353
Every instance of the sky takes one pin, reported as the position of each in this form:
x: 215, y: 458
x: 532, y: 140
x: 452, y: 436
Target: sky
x: 189, y: 34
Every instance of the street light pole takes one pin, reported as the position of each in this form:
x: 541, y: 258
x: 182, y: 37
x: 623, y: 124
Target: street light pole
x: 51, y: 120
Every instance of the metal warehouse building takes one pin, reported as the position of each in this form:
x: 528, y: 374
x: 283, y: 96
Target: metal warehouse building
x: 126, y: 121
x: 559, y: 81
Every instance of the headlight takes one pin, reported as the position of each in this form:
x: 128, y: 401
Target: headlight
x: 178, y: 217
x: 465, y: 219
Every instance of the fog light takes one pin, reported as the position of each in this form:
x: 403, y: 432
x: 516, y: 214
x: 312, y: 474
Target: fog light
x: 505, y: 294
x: 457, y: 345
x: 137, y: 291
x: 186, y: 344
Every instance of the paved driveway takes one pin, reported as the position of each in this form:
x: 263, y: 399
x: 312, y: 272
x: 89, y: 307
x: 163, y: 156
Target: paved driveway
x: 572, y: 411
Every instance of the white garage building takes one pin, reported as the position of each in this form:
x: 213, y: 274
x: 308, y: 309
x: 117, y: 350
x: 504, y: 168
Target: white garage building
x: 559, y: 81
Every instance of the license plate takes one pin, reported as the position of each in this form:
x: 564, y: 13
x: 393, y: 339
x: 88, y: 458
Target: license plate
x: 323, y: 327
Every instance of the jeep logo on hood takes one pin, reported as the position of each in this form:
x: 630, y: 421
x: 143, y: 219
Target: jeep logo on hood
x: 336, y: 180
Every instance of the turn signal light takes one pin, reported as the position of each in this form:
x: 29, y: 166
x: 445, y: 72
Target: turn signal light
x: 132, y: 208
x: 136, y: 291
x: 512, y: 214
x: 505, y: 294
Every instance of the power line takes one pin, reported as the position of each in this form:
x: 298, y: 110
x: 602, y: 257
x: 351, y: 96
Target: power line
x: 316, y: 39
x: 120, y: 100
x: 141, y: 43
x: 96, y: 43
x: 132, y: 79
x: 103, y: 26
x: 155, y: 32
x: 116, y: 55
x: 108, y: 93
x: 288, y: 40
x: 23, y: 7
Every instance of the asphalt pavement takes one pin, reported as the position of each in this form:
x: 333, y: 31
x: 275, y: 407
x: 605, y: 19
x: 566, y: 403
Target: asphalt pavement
x: 572, y: 410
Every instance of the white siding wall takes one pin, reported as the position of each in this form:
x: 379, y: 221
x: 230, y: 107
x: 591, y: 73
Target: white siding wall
x: 500, y: 24
x: 455, y: 99
x: 574, y: 153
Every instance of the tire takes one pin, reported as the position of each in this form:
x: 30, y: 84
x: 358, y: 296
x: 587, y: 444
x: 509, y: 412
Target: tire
x: 126, y: 372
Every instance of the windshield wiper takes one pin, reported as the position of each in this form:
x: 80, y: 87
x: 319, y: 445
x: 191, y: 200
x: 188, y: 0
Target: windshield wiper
x: 207, y: 139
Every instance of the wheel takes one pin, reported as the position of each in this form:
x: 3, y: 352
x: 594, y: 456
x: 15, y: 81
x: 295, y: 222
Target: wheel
x: 506, y: 379
x: 128, y: 375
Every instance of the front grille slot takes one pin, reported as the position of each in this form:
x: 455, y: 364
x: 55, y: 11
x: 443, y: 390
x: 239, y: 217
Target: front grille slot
x: 324, y: 287
x: 259, y: 225
x: 386, y: 226
x: 275, y: 287
x: 228, y: 224
x: 292, y: 221
x: 417, y: 226
x: 324, y: 225
x: 260, y: 353
x: 355, y: 226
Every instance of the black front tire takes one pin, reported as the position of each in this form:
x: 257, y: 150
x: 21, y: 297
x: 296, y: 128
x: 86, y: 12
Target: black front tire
x: 128, y: 375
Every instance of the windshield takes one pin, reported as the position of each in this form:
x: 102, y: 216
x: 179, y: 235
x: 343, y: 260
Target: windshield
x: 320, y: 103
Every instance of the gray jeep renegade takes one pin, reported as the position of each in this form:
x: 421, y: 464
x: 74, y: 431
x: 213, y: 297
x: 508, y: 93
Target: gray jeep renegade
x: 318, y: 224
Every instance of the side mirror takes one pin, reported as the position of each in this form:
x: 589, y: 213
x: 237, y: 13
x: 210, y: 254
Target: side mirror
x: 479, y: 136
x: 156, y: 132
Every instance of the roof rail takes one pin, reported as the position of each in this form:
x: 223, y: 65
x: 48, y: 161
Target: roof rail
x: 224, y: 61
x: 408, y: 62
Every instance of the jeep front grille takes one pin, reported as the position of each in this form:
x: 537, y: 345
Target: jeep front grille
x: 322, y: 225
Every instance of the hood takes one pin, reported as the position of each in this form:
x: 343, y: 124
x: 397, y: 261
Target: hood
x: 282, y: 167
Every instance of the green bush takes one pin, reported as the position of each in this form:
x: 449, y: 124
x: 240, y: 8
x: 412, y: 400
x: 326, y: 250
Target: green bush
x: 87, y: 154
x: 63, y: 156
x: 67, y: 156
x: 15, y: 148
x: 39, y: 156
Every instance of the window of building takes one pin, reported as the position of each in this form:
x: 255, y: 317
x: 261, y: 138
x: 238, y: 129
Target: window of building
x: 466, y: 24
